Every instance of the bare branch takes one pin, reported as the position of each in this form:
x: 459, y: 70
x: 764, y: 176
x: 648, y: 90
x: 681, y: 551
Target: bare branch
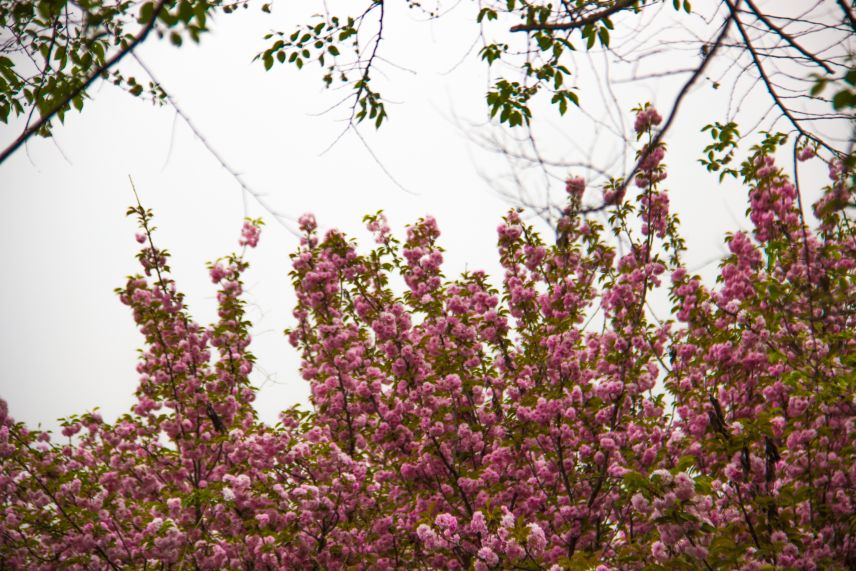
x: 769, y: 85
x: 714, y: 48
x: 257, y: 196
x: 848, y: 13
x: 785, y: 36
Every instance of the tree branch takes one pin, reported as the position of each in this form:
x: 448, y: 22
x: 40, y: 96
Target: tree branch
x: 848, y: 13
x: 578, y: 23
x: 45, y: 118
x: 661, y: 133
x: 785, y: 36
x: 769, y: 84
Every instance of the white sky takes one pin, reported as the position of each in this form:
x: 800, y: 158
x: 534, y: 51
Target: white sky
x: 67, y: 344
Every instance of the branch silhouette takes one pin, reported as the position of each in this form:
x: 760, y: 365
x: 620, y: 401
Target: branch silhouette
x: 81, y: 88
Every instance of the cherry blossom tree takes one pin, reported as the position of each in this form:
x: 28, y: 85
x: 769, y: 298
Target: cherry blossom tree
x: 545, y: 421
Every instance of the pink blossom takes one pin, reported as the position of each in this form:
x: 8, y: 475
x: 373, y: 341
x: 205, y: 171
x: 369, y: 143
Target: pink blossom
x: 497, y: 422
x: 487, y: 555
x: 646, y: 118
x: 575, y: 186
x: 447, y: 522
x: 806, y: 153
x: 536, y: 540
x: 658, y: 550
x: 250, y: 234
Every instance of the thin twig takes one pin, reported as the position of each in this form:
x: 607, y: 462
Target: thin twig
x: 785, y: 36
x: 672, y: 114
x: 769, y: 84
x: 217, y: 156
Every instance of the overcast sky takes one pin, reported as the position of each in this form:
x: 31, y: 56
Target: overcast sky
x: 68, y: 345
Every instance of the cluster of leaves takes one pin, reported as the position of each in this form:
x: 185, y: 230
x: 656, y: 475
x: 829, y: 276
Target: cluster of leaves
x: 460, y: 425
x: 542, y: 66
x: 51, y: 48
x: 320, y: 41
x: 530, y: 49
x: 845, y: 97
x: 720, y: 153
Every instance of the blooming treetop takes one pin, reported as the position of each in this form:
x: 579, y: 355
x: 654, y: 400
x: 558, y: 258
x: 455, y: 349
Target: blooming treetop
x: 460, y: 426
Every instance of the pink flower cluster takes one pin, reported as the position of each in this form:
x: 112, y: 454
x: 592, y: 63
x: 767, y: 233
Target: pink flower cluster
x: 575, y: 186
x: 250, y: 233
x: 646, y: 118
x: 471, y: 424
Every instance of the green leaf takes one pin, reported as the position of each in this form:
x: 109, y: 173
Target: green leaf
x: 146, y: 11
x: 573, y: 97
x: 684, y: 463
x: 98, y: 51
x: 560, y: 99
x: 842, y: 99
x: 486, y: 13
x: 185, y: 11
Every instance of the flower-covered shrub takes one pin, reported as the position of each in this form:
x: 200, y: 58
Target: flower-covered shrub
x: 548, y: 423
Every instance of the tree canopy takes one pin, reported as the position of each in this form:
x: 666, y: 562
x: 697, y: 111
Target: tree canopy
x: 801, y: 55
x: 456, y: 425
x: 546, y: 419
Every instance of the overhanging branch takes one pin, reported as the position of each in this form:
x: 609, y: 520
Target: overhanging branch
x: 711, y: 52
x: 787, y: 37
x: 848, y: 13
x: 771, y: 88
x: 81, y: 88
x: 579, y: 22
